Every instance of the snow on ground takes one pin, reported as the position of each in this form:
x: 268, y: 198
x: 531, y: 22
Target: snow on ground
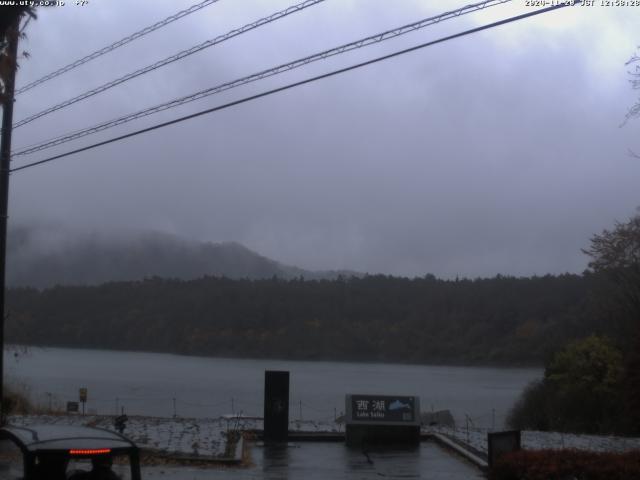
x: 295, y: 425
x: 206, y: 437
x: 182, y: 436
x: 546, y: 440
x: 203, y: 437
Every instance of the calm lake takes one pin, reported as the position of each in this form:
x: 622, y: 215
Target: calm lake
x: 163, y: 384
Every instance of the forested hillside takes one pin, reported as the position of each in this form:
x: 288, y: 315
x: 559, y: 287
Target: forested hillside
x: 501, y: 320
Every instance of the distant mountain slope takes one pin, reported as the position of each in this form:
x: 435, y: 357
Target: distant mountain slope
x: 43, y: 257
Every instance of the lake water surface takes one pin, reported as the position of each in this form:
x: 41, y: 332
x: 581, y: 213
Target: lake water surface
x: 155, y: 384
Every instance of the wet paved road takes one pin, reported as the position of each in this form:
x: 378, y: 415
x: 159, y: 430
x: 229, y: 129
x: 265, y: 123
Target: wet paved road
x: 333, y: 461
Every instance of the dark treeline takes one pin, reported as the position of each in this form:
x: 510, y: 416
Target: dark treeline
x: 502, y: 320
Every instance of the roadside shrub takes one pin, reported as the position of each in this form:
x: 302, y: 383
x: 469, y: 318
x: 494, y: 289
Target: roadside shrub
x: 581, y: 391
x: 15, y: 402
x: 566, y: 465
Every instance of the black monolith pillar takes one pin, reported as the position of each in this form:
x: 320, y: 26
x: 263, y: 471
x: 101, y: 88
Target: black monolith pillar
x: 276, y: 406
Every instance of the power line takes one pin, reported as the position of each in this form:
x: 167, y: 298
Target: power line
x: 173, y: 58
x: 299, y: 83
x: 363, y: 42
x: 119, y: 43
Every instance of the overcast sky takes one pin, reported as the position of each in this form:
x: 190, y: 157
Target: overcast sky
x: 499, y: 152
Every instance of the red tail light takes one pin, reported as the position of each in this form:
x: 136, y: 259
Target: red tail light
x: 94, y: 451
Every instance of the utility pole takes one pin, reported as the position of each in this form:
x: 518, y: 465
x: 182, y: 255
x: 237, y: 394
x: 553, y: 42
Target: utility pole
x: 5, y: 159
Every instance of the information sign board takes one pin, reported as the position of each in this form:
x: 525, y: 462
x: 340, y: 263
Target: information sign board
x: 383, y: 408
x: 382, y: 419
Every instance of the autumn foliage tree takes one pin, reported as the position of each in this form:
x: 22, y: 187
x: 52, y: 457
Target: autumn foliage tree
x: 581, y: 391
x: 634, y: 111
x: 586, y: 381
x: 593, y: 385
x: 615, y: 255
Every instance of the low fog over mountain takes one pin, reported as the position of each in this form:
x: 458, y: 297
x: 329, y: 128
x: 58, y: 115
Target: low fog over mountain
x: 41, y: 257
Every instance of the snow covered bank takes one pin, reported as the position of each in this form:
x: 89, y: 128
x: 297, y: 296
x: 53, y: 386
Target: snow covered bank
x: 179, y: 436
x: 532, y: 440
x: 205, y: 438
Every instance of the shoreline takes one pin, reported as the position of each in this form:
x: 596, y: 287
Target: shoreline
x: 443, y: 363
x: 213, y: 441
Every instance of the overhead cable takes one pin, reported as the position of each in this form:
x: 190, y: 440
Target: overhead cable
x: 363, y: 42
x: 173, y: 58
x: 299, y: 83
x: 119, y: 43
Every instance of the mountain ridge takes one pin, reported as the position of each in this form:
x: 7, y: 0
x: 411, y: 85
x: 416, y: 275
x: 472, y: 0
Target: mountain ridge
x: 43, y: 257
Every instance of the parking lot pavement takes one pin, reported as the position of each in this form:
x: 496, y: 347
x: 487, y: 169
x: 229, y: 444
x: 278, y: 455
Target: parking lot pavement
x: 310, y: 461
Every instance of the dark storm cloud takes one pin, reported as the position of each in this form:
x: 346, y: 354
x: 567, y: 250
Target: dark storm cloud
x: 497, y: 153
